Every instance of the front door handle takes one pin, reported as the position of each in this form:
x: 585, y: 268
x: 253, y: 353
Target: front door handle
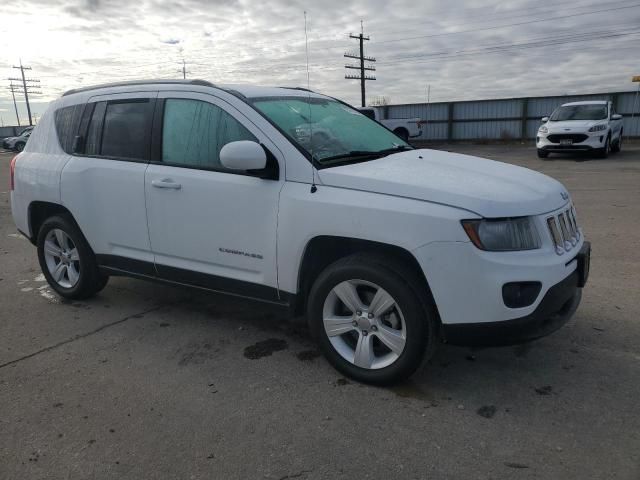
x: 166, y: 183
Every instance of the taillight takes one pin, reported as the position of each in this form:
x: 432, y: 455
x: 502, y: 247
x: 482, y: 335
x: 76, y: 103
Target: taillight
x: 12, y: 170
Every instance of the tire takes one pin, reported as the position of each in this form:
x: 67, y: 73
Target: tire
x: 19, y: 146
x: 64, y: 253
x: 604, y: 152
x: 407, y: 321
x: 402, y: 133
x: 542, y: 154
x: 617, y: 147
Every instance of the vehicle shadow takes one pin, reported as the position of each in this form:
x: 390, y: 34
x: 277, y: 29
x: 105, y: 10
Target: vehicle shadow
x: 487, y: 381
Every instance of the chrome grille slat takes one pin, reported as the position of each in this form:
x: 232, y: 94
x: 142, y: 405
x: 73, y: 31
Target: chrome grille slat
x: 564, y: 230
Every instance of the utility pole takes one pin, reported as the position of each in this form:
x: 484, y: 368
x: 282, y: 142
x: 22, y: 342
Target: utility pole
x: 362, y: 67
x: 12, y: 87
x: 25, y: 87
x: 184, y: 69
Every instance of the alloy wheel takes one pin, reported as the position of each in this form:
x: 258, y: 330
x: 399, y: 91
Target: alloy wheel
x: 62, y: 258
x: 364, y: 324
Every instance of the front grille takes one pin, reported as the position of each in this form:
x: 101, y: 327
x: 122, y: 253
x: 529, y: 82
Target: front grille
x: 564, y: 230
x: 574, y: 137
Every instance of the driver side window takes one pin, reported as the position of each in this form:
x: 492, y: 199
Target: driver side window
x: 194, y: 132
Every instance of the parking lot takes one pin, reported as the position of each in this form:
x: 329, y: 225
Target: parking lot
x: 151, y: 381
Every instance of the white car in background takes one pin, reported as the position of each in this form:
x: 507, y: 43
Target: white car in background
x: 17, y: 143
x: 405, y: 128
x: 581, y: 127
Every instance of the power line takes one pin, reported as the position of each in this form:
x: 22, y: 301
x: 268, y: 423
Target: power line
x: 538, y: 10
x: 510, y: 47
x: 494, y: 27
x: 362, y: 67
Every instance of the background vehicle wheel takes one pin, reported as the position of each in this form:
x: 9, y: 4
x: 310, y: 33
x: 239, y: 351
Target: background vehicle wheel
x: 542, y: 154
x: 369, y: 321
x: 604, y: 151
x: 66, y: 259
x: 19, y: 146
x: 617, y: 147
x: 402, y: 133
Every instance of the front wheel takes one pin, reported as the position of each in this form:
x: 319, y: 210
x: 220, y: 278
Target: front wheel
x: 542, y: 154
x: 66, y: 259
x: 369, y: 321
x: 606, y: 150
x: 617, y: 147
x: 19, y: 146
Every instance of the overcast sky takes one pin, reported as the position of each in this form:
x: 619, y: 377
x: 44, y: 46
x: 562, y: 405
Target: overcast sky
x: 464, y: 49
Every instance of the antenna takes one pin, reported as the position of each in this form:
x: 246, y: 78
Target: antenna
x: 306, y: 50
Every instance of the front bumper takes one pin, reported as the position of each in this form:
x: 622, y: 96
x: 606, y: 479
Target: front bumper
x: 556, y: 308
x: 594, y: 141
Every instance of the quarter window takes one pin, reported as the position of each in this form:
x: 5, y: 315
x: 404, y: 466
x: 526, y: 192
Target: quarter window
x: 67, y: 120
x: 194, y: 132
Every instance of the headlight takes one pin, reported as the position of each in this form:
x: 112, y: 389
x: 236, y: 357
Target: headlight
x: 503, y: 235
x: 598, y: 128
x: 543, y: 129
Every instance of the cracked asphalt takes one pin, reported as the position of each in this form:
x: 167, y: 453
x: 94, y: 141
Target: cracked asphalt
x: 149, y: 381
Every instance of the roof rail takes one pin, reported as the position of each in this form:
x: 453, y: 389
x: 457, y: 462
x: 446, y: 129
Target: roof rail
x: 202, y: 83
x: 299, y: 88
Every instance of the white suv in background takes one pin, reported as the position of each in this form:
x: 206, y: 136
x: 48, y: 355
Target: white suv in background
x: 297, y: 199
x: 581, y: 127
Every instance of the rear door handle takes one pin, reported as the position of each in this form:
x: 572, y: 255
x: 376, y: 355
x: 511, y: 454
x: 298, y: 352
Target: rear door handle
x: 166, y: 183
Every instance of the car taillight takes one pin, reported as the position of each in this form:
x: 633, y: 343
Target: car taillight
x: 12, y: 169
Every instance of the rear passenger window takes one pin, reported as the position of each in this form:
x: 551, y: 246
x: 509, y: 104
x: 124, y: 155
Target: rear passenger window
x: 126, y: 130
x: 194, y: 132
x: 67, y: 120
x: 120, y: 129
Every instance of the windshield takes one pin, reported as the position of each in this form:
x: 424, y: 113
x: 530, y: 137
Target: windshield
x: 579, y: 112
x: 328, y: 130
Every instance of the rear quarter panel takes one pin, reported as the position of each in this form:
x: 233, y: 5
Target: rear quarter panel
x: 37, y: 171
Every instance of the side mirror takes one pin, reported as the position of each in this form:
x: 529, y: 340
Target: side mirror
x: 545, y: 119
x: 616, y: 116
x: 243, y: 155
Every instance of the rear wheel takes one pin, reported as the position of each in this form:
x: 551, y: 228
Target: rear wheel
x: 370, y: 323
x: 402, y: 133
x: 542, y: 154
x: 67, y: 261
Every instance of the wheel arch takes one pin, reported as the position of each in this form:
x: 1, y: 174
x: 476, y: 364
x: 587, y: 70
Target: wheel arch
x: 323, y: 250
x: 401, y: 131
x: 39, y: 211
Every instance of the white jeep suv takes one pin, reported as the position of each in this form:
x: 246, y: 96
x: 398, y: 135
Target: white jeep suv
x: 297, y: 199
x: 581, y: 127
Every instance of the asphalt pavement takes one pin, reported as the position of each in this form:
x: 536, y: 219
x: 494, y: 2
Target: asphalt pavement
x: 150, y: 381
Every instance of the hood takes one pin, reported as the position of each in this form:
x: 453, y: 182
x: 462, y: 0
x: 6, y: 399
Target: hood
x: 575, y: 125
x: 485, y: 187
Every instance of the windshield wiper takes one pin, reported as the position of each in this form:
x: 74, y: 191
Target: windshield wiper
x: 351, y: 154
x: 366, y: 153
x: 395, y: 148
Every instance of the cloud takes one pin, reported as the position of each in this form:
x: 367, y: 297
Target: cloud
x: 239, y: 41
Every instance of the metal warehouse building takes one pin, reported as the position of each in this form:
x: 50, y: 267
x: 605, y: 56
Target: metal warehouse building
x: 512, y: 118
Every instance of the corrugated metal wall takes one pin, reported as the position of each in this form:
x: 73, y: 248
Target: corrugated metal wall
x: 513, y: 118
